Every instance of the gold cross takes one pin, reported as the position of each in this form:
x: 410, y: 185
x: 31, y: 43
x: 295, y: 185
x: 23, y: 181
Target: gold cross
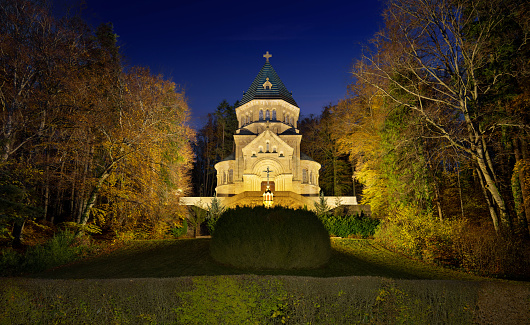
x: 267, y: 56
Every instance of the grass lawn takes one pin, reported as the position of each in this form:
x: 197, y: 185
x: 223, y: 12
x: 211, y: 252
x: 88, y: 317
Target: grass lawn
x: 176, y: 282
x: 190, y: 257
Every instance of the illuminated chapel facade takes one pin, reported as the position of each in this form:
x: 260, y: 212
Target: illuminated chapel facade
x: 267, y: 143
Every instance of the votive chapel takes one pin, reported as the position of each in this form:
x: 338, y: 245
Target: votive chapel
x: 267, y: 146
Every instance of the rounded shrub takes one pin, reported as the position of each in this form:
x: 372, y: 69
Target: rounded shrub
x: 276, y: 238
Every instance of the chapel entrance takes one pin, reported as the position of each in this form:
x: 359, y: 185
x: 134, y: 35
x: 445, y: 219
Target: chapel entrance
x: 264, y: 186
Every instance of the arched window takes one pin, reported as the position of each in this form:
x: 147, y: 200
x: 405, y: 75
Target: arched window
x: 260, y: 149
x: 292, y: 121
x: 286, y: 118
x: 304, y: 176
x: 274, y: 149
x: 268, y: 115
x: 224, y: 177
x: 311, y: 178
x: 231, y: 176
x: 261, y: 115
x: 274, y: 115
x: 268, y: 146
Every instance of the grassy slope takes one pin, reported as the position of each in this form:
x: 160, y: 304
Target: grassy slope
x: 190, y: 257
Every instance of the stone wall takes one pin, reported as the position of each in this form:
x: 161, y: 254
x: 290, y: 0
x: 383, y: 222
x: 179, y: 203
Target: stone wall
x: 281, y: 198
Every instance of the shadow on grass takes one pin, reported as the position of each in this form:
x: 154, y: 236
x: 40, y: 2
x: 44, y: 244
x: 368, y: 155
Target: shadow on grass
x: 190, y: 257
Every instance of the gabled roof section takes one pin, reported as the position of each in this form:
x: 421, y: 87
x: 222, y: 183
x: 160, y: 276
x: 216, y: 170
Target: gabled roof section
x: 268, y: 134
x: 289, y: 131
x: 245, y: 131
x: 267, y: 85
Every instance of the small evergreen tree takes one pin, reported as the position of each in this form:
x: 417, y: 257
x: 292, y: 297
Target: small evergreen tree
x: 322, y: 208
x: 215, y: 210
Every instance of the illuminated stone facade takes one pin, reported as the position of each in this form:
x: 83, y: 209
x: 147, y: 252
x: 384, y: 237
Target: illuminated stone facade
x: 267, y: 138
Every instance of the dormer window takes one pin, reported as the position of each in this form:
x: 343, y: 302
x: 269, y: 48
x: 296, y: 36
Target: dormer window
x: 267, y: 84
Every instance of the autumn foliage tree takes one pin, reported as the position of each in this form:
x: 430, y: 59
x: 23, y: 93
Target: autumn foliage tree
x: 86, y: 139
x: 430, y: 58
x: 438, y: 124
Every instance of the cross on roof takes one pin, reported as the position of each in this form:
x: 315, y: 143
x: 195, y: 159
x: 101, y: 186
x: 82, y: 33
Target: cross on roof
x: 267, y: 56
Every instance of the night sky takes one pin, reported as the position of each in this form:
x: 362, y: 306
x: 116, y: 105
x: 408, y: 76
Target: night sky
x: 214, y: 49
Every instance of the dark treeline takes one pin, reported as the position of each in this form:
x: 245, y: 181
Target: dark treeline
x: 319, y: 142
x: 214, y: 142
x: 84, y: 139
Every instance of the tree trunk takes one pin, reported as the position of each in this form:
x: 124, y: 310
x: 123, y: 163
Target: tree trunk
x: 8, y: 131
x: 336, y: 190
x: 437, y: 200
x: 493, y: 213
x: 82, y: 199
x: 18, y: 227
x: 460, y: 191
x: 491, y: 187
x: 47, y: 188
x: 93, y: 196
x: 520, y: 159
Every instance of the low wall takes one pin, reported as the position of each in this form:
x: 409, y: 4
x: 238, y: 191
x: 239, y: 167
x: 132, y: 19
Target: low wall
x: 281, y: 198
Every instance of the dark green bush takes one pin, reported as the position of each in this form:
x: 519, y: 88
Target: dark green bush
x: 61, y: 249
x: 277, y: 238
x: 344, y: 226
x: 57, y: 251
x: 179, y: 231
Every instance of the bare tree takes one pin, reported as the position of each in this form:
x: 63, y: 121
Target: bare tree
x: 429, y: 58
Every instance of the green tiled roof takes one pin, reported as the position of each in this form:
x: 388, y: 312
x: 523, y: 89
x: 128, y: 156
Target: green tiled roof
x: 258, y: 91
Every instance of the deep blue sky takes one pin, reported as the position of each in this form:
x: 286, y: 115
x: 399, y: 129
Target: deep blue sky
x: 214, y: 49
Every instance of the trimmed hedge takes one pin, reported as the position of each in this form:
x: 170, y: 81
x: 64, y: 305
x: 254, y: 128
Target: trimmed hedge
x: 276, y: 238
x: 345, y: 226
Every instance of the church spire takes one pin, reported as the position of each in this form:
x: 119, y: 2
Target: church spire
x: 267, y: 85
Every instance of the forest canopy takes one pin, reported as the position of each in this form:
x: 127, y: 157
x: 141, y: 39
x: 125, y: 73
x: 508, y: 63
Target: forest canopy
x: 85, y: 139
